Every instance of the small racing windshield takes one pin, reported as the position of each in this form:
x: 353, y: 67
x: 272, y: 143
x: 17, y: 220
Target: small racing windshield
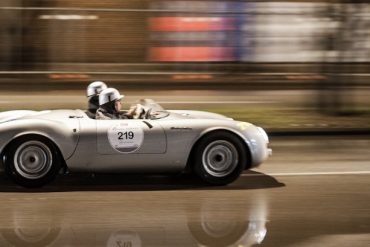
x: 152, y: 109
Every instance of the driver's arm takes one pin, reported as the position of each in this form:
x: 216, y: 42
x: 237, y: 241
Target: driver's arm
x: 123, y: 115
x: 136, y: 111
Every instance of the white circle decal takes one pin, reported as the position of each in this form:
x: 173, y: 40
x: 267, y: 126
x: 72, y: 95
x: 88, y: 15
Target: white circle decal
x: 125, y: 137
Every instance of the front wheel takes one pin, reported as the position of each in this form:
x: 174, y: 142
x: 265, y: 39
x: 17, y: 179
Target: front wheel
x: 32, y: 161
x: 220, y: 158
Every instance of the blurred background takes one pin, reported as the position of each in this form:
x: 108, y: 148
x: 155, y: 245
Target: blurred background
x: 292, y: 65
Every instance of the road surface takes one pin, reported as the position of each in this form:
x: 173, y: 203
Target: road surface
x: 312, y: 192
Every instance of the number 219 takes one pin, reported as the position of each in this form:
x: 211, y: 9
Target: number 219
x: 126, y: 135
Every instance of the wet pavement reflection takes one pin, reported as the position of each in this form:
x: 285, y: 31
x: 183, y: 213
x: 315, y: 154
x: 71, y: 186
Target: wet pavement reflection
x: 128, y: 211
x: 168, y: 217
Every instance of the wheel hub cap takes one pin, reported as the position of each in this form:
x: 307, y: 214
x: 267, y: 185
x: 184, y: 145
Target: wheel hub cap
x: 220, y: 158
x: 33, y: 159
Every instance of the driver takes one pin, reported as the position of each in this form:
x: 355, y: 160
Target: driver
x: 92, y: 93
x: 110, y: 106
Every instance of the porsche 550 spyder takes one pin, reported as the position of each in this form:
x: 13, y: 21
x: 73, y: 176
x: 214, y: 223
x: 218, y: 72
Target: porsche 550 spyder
x: 36, y: 146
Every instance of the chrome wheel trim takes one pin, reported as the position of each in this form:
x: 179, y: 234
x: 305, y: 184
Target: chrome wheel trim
x: 33, y: 159
x: 220, y: 158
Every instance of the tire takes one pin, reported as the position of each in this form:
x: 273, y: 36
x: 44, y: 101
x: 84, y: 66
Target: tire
x: 212, y: 234
x: 220, y: 157
x: 210, y: 225
x: 30, y: 237
x: 32, y: 161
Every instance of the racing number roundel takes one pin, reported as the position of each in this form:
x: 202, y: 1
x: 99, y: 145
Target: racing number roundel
x: 125, y: 137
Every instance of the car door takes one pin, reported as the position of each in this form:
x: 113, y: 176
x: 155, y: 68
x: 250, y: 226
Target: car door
x: 130, y: 136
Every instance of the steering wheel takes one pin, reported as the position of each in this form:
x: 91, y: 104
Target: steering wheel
x: 148, y: 114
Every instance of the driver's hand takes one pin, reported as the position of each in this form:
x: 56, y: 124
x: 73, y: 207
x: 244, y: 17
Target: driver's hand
x: 136, y: 111
x: 132, y: 109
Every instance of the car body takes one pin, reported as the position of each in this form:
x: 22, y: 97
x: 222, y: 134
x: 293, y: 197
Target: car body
x: 160, y: 142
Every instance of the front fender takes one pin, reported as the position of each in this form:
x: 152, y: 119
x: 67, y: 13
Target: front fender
x: 254, y: 139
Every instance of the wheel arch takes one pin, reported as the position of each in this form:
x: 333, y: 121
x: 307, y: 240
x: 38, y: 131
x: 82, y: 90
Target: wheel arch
x: 35, y: 135
x: 211, y: 131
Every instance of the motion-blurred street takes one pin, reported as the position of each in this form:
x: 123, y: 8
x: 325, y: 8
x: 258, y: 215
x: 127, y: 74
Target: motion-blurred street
x: 312, y: 192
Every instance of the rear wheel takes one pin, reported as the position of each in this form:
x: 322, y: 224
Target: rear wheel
x: 32, y: 161
x: 220, y: 157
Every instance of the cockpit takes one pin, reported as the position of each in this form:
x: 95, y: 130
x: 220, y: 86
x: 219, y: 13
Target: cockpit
x: 145, y: 109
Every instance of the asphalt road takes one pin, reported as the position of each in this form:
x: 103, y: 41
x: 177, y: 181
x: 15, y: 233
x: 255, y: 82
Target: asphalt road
x: 312, y: 192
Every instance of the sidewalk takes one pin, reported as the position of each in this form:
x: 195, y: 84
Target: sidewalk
x: 300, y: 121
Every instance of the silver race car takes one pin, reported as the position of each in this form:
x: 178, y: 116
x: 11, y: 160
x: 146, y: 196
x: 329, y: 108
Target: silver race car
x: 35, y: 146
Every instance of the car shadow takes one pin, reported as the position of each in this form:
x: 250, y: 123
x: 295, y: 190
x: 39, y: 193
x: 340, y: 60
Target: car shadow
x: 118, y: 182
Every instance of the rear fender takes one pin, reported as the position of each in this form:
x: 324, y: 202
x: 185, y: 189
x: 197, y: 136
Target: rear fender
x: 64, y: 136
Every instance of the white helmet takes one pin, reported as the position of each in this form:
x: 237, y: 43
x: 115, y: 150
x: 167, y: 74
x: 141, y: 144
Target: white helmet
x: 109, y: 95
x: 95, y: 88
